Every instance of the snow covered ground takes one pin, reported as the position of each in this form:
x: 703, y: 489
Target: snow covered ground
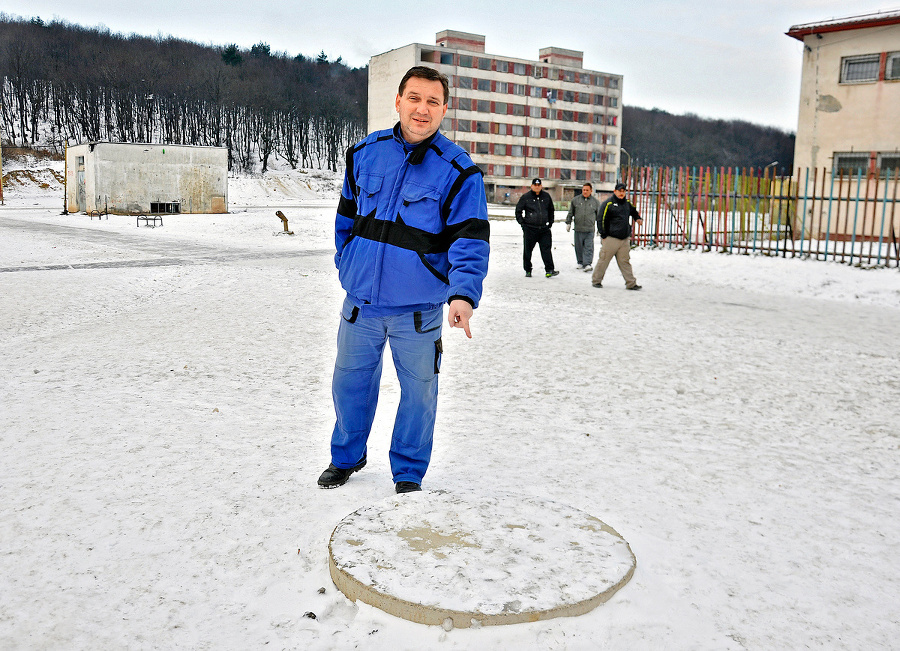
x: 165, y: 411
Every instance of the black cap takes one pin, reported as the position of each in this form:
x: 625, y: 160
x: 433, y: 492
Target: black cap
x: 535, y: 181
x: 620, y: 186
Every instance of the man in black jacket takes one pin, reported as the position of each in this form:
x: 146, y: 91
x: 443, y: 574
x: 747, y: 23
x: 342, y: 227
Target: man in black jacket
x: 534, y: 212
x: 614, y: 225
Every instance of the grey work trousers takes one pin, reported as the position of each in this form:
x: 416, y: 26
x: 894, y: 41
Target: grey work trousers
x: 610, y: 248
x: 584, y: 247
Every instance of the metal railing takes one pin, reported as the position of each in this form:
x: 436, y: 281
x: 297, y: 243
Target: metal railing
x: 814, y: 214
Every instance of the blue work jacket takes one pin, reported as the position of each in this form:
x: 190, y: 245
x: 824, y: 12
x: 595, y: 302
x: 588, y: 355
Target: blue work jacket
x: 411, y: 230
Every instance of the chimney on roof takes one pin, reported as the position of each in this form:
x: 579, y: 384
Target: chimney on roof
x: 561, y: 57
x: 460, y: 40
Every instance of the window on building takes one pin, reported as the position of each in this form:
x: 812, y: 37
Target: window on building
x: 484, y: 64
x: 565, y: 135
x: 518, y: 109
x: 519, y: 68
x: 516, y: 170
x: 568, y: 75
x: 567, y: 116
x: 568, y: 96
x: 892, y: 71
x: 536, y: 91
x: 482, y: 105
x: 534, y: 111
x: 551, y: 133
x: 464, y: 82
x: 851, y: 164
x: 447, y: 58
x: 889, y: 164
x: 613, y: 102
x: 611, y: 139
x: 499, y: 149
x: 463, y: 103
x: 503, y: 66
x: 565, y: 154
x: 500, y: 128
x: 581, y: 155
x: 484, y: 84
x: 502, y: 87
x: 518, y: 89
x: 482, y: 126
x: 565, y: 175
x: 482, y: 148
x: 580, y: 175
x: 516, y: 150
x: 613, y: 83
x: 858, y: 69
x: 534, y: 171
x: 611, y: 120
x: 534, y: 132
x: 500, y: 108
x: 465, y: 61
x: 584, y: 118
x: 534, y: 152
x: 517, y: 130
x: 464, y: 125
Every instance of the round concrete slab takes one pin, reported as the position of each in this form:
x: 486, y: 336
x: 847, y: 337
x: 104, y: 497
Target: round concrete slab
x: 461, y: 559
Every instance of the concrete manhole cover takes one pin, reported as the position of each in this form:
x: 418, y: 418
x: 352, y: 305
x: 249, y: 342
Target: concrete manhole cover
x: 458, y: 559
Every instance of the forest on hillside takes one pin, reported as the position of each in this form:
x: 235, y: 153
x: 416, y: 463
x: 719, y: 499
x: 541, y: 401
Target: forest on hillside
x: 654, y: 137
x: 63, y: 83
x: 87, y: 84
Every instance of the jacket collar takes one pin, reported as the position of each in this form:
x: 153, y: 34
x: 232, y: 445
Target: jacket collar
x: 417, y: 155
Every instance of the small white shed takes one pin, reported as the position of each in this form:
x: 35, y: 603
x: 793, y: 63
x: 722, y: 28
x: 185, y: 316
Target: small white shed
x: 133, y: 178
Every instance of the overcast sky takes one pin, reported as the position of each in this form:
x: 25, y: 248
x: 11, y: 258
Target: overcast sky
x: 726, y: 59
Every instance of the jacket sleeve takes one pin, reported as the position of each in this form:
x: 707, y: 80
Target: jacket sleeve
x: 633, y: 213
x: 571, y: 212
x: 468, y: 233
x: 520, y: 207
x: 601, y: 221
x: 550, y: 209
x: 346, y: 211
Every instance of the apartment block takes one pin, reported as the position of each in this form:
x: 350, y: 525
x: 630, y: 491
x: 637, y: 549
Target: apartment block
x: 518, y: 118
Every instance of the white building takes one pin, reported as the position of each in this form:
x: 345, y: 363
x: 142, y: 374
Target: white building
x: 133, y: 178
x: 850, y: 94
x: 519, y: 119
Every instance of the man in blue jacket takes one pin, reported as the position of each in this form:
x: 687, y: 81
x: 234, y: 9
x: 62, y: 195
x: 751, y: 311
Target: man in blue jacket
x: 411, y: 234
x: 614, y: 225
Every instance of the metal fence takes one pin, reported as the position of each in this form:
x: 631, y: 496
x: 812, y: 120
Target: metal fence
x: 848, y: 218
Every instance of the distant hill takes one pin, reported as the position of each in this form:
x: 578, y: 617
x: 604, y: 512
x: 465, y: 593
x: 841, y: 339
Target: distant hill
x: 654, y: 137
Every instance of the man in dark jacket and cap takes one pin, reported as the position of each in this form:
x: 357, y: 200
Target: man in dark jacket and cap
x: 614, y: 225
x: 534, y: 212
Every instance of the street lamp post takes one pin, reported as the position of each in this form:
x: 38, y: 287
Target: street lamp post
x: 624, y: 151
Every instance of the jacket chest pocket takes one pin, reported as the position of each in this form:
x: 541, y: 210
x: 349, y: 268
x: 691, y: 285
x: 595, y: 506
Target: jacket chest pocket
x: 368, y: 187
x: 420, y: 207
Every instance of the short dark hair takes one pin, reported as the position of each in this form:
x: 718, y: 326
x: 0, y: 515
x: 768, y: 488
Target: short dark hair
x: 424, y: 72
x: 587, y: 185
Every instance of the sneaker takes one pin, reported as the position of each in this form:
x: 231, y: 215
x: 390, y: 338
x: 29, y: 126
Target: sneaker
x: 634, y: 287
x: 579, y: 266
x: 528, y: 274
x: 407, y: 487
x: 587, y: 267
x: 550, y: 274
x: 597, y: 285
x: 334, y: 476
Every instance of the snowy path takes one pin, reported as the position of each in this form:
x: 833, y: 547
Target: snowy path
x: 162, y: 428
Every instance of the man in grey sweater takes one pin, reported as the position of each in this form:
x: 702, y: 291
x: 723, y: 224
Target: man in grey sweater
x: 584, y: 210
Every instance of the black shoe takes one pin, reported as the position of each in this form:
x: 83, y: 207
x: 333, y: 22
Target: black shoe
x: 634, y: 287
x: 334, y: 476
x: 550, y: 274
x: 528, y: 274
x: 597, y: 285
x: 407, y: 487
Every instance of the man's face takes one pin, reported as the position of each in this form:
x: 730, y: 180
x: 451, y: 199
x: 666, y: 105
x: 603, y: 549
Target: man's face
x: 421, y: 108
x: 586, y: 191
x: 536, y: 188
x: 619, y: 193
